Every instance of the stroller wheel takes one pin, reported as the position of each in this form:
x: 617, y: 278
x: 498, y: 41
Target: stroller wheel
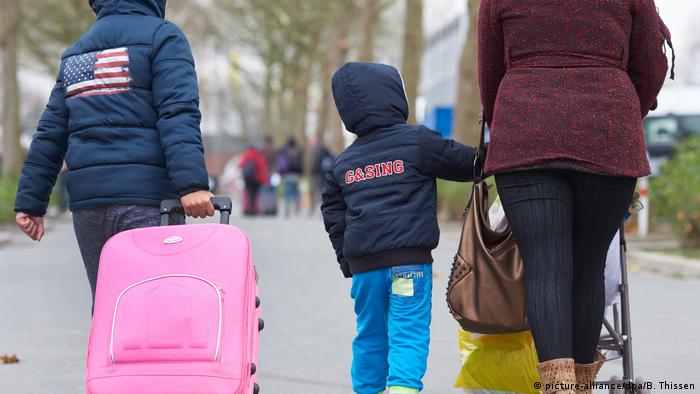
x: 643, y: 386
x: 615, y: 378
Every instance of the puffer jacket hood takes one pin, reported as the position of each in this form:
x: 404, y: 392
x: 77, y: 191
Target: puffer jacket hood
x: 369, y: 96
x: 117, y: 7
x: 380, y: 194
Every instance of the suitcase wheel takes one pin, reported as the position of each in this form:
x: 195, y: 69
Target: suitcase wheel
x: 253, y: 368
x: 261, y: 324
x: 257, y: 302
x: 256, y: 388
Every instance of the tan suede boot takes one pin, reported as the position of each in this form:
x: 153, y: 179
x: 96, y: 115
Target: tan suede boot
x: 558, y: 376
x: 586, y: 374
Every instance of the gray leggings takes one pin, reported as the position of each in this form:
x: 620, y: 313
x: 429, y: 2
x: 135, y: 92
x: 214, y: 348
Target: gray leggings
x: 94, y: 226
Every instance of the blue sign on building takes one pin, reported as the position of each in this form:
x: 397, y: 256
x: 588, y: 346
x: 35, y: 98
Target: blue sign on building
x: 440, y: 119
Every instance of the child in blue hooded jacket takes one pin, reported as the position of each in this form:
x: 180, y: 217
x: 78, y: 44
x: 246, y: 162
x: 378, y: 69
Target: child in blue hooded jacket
x: 124, y: 114
x: 379, y: 209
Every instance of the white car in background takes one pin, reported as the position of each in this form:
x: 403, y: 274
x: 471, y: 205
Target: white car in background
x: 676, y: 118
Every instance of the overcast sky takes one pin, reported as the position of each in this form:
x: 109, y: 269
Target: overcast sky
x: 677, y: 13
x: 681, y: 16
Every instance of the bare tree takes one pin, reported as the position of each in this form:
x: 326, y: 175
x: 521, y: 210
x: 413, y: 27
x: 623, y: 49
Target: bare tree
x: 240, y: 97
x: 49, y: 26
x: 195, y: 18
x: 336, y: 53
x: 369, y: 19
x: 412, y: 53
x: 304, y: 66
x: 9, y: 35
x: 284, y: 35
x: 468, y: 104
x: 322, y: 113
x: 300, y: 44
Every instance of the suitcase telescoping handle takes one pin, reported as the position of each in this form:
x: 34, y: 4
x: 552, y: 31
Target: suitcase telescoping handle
x: 222, y: 204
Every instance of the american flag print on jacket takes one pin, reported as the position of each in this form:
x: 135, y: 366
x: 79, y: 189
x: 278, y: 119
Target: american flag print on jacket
x: 97, y: 73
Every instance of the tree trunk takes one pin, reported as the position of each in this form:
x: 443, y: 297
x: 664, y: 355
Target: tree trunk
x: 412, y: 53
x: 322, y: 109
x: 267, y: 120
x: 300, y: 77
x: 328, y: 118
x: 369, y: 19
x: 468, y: 106
x: 11, y: 151
x: 300, y: 107
x: 283, y: 118
x: 241, y: 105
x: 300, y: 99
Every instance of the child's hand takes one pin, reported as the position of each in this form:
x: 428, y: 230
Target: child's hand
x: 198, y: 204
x: 33, y: 226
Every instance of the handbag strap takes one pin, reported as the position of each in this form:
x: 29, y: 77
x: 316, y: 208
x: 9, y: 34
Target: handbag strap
x: 480, y: 156
x: 479, y: 160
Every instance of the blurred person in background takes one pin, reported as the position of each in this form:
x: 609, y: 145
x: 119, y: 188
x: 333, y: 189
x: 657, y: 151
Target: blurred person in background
x: 321, y: 162
x: 269, y: 150
x: 268, y: 203
x: 565, y: 86
x: 124, y: 113
x: 254, y: 169
x: 290, y: 166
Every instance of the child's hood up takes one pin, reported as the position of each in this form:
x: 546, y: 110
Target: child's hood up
x: 113, y: 7
x: 369, y: 96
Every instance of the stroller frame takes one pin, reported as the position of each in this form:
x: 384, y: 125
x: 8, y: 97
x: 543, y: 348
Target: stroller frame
x: 618, y: 338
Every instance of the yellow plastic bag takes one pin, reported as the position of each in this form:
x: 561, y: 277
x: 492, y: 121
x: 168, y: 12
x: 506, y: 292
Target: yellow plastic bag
x: 498, y: 363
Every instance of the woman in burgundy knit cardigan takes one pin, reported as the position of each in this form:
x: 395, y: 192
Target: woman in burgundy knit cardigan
x: 565, y: 85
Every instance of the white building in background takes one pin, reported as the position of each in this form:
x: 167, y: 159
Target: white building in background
x: 440, y: 64
x: 695, y: 65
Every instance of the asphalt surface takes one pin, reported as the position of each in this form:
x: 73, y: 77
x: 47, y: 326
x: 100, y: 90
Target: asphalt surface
x: 45, y: 316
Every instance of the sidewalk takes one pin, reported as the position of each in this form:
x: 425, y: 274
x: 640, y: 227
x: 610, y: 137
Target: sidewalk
x: 648, y: 255
x: 664, y: 264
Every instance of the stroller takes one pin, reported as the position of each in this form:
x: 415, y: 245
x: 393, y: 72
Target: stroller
x: 616, y: 341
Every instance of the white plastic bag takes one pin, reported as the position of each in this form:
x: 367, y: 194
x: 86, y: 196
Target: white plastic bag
x: 613, y: 272
x: 497, y: 216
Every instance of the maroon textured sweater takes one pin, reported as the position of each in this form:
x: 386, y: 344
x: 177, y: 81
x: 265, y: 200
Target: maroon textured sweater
x: 569, y: 82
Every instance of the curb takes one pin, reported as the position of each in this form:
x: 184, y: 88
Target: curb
x: 665, y: 265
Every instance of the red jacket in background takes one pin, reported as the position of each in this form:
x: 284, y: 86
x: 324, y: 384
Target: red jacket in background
x: 260, y: 164
x: 569, y: 81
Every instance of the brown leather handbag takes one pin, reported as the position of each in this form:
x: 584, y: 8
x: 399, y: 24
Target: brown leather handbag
x: 486, y: 289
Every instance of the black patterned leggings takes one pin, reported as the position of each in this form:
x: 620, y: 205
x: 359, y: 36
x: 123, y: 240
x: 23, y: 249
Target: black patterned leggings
x: 563, y: 222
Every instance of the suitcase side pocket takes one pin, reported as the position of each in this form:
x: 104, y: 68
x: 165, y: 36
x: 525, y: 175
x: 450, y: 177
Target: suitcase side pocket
x: 174, y: 317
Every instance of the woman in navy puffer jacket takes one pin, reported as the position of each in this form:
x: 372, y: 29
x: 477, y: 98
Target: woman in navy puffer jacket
x: 124, y: 114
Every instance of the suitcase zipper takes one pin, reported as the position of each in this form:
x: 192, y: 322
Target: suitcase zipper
x: 219, y: 293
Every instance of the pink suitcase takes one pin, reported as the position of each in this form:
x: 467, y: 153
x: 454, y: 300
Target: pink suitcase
x: 176, y: 311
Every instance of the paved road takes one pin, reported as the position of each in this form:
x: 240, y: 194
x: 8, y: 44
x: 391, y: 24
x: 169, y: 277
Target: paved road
x: 44, y: 315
